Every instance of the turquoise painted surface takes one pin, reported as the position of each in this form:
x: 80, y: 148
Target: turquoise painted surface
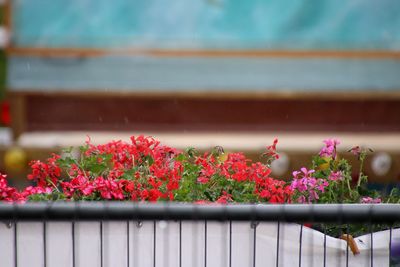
x: 201, y: 74
x: 226, y: 24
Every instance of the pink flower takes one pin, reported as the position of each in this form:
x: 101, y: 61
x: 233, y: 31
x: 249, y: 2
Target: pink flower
x: 335, y: 176
x: 302, y: 200
x: 312, y: 182
x: 329, y: 150
x: 203, y: 180
x: 370, y: 200
x: 313, y: 196
x: 322, y: 184
x: 224, y: 198
x: 307, y: 186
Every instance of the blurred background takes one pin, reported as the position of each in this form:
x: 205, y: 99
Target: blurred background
x: 202, y: 73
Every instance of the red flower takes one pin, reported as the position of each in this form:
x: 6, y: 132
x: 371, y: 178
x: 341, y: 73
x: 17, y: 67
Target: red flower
x: 203, y: 180
x: 5, y: 113
x: 271, y: 150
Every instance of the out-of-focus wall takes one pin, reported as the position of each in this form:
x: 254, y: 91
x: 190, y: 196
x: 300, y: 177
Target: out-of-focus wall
x: 208, y: 24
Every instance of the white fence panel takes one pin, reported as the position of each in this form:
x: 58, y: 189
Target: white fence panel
x: 174, y: 243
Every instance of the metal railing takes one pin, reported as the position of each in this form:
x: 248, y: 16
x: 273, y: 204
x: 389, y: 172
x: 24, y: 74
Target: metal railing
x: 155, y: 215
x: 94, y: 211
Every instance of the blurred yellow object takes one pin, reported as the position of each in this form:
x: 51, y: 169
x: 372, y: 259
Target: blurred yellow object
x: 223, y: 157
x: 325, y: 166
x: 15, y: 159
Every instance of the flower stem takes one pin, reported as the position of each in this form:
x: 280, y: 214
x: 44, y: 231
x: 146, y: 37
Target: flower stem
x: 51, y: 182
x: 360, y: 174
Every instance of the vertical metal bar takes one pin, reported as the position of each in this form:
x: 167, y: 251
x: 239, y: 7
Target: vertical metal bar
x: 254, y: 244
x: 324, y: 245
x: 180, y: 243
x: 301, y: 243
x: 73, y: 244
x: 347, y: 245
x: 15, y: 245
x: 205, y: 243
x: 44, y: 244
x: 101, y: 243
x: 277, y: 244
x: 127, y: 243
x: 154, y: 244
x: 224, y: 254
x: 230, y: 243
x: 166, y: 240
x: 390, y: 245
x: 372, y: 245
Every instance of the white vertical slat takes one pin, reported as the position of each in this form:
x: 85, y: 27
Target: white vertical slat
x: 30, y: 244
x: 7, y: 244
x: 114, y: 244
x: 167, y: 239
x: 142, y: 250
x: 87, y: 244
x: 217, y: 244
x: 242, y: 244
x: 193, y: 244
x: 266, y: 244
x: 59, y: 244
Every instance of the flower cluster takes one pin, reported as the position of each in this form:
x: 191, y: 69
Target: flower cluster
x: 45, y: 173
x: 370, y: 200
x: 306, y: 186
x: 145, y: 170
x: 330, y: 179
x: 141, y: 170
x: 329, y: 150
x: 233, y: 178
x: 7, y: 193
x: 335, y: 176
x: 270, y: 154
x: 11, y: 194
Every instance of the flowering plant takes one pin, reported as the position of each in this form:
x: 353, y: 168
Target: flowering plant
x: 145, y: 170
x: 330, y: 179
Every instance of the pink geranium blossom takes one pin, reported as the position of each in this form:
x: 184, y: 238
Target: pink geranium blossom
x: 335, y: 176
x: 329, y: 150
x: 307, y: 186
x: 370, y: 200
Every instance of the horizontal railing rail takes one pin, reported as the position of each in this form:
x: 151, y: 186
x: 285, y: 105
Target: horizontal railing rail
x: 95, y: 211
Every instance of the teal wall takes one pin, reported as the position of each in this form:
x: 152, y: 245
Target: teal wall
x: 136, y: 73
x: 226, y: 24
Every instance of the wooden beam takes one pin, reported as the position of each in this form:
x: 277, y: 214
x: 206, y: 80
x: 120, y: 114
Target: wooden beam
x: 206, y: 94
x: 95, y: 52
